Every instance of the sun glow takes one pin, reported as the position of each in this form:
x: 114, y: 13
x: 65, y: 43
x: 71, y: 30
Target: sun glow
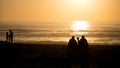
x: 79, y: 2
x: 80, y: 25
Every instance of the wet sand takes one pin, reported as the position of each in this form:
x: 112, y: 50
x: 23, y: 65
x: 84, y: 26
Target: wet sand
x: 19, y: 55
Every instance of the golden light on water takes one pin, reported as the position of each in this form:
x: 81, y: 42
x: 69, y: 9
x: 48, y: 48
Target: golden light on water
x: 80, y: 25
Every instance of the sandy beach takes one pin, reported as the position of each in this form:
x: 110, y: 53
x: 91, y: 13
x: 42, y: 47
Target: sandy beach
x: 28, y: 55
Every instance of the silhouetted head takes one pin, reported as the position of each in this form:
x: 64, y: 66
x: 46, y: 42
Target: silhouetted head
x: 6, y: 33
x: 73, y: 37
x: 83, y: 36
x: 10, y: 30
x: 77, y: 38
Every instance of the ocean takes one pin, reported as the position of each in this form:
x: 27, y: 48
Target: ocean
x: 99, y: 32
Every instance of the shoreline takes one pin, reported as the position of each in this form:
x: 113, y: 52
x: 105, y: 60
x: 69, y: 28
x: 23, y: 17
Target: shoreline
x: 62, y: 43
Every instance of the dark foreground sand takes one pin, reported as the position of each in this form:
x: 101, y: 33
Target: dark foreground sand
x: 19, y: 55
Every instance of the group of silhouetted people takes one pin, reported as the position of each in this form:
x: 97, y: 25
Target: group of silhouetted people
x: 79, y: 50
x: 9, y: 36
x: 80, y: 43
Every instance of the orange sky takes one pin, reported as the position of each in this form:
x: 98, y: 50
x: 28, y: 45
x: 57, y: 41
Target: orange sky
x: 59, y: 10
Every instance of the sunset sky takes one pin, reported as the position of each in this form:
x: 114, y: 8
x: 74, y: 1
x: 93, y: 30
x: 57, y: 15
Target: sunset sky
x: 59, y: 10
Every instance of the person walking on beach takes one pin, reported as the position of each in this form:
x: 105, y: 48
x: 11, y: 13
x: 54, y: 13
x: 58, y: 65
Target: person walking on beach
x: 10, y: 36
x: 7, y: 37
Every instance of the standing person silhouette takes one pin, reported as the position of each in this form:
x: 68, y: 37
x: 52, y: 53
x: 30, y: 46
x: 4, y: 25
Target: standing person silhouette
x: 11, y: 36
x: 72, y: 42
x: 71, y: 48
x: 78, y: 41
x: 84, y: 58
x: 79, y: 49
x: 7, y: 37
x: 83, y: 42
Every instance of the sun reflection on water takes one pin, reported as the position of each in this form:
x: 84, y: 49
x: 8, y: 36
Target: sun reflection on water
x: 80, y: 27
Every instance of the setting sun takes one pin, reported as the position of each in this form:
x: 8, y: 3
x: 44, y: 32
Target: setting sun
x: 79, y: 2
x: 80, y: 25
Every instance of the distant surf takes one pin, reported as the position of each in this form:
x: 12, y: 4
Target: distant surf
x: 38, y: 32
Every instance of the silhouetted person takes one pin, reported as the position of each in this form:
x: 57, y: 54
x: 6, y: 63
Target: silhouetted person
x: 7, y: 37
x: 72, y: 42
x: 72, y: 48
x: 83, y: 42
x: 78, y: 41
x: 84, y: 52
x: 78, y: 52
x: 79, y: 49
x: 10, y: 36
